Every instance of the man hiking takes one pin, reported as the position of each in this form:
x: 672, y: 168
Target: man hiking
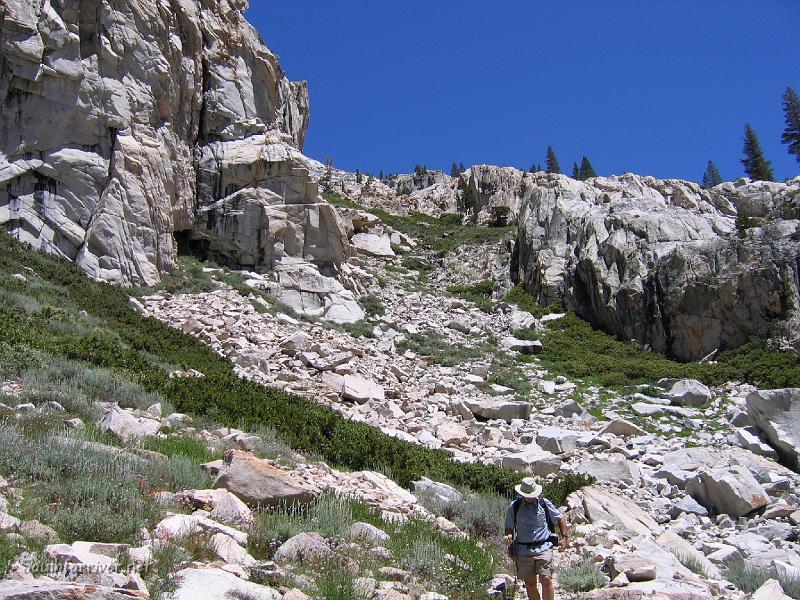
x: 530, y: 526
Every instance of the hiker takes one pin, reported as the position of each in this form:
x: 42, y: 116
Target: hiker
x: 529, y: 529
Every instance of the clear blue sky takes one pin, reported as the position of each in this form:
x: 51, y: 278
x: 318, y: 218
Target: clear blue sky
x: 653, y: 87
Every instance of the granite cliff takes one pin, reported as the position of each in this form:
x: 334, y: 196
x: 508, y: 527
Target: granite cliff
x: 128, y: 128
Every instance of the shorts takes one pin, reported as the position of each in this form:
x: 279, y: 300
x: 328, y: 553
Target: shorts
x: 538, y: 564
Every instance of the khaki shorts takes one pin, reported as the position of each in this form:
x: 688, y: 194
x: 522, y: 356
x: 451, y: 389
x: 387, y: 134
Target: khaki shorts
x: 539, y: 564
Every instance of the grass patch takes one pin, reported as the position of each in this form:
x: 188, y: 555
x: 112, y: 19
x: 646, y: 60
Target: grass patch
x: 442, y: 235
x: 188, y: 446
x: 526, y: 302
x: 479, y: 294
x: 504, y: 371
x: 435, y: 346
x: 748, y: 578
x: 573, y: 347
x: 86, y: 492
x: 582, y: 577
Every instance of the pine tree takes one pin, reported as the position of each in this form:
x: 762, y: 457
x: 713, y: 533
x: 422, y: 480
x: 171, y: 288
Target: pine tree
x: 552, y: 161
x: 454, y: 172
x: 576, y: 174
x: 711, y: 177
x: 358, y: 176
x: 756, y: 166
x: 461, y: 168
x: 380, y: 176
x: 586, y: 170
x: 791, y: 135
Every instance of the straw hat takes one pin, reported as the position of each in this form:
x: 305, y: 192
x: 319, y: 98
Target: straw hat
x: 528, y: 488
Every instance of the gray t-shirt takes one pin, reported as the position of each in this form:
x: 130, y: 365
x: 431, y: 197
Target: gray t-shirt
x: 532, y: 529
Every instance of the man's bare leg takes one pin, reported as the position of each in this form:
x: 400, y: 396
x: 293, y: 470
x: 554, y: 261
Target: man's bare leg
x: 548, y: 592
x: 532, y: 588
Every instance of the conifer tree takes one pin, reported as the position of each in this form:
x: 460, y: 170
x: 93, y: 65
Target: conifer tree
x: 380, y: 176
x: 791, y: 110
x: 358, y: 176
x: 711, y: 177
x: 576, y: 173
x: 454, y: 170
x: 756, y: 166
x: 586, y: 170
x: 552, y: 161
x: 461, y: 168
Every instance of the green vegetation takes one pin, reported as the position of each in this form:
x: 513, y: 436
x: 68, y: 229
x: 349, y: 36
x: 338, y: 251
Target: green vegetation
x: 435, y: 346
x: 372, y: 305
x: 712, y: 176
x: 791, y: 111
x: 499, y: 216
x: 189, y: 447
x: 748, y: 578
x: 552, y: 161
x: 582, y: 577
x: 477, y: 293
x: 586, y: 170
x: 573, y: 347
x: 526, y: 302
x: 416, y: 545
x: 756, y: 166
x: 110, y: 335
x: 441, y: 235
x: 83, y: 490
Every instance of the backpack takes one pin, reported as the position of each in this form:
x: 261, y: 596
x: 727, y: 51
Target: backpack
x: 548, y: 516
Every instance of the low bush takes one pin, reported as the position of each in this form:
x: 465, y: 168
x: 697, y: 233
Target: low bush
x: 749, y: 577
x: 479, y: 293
x: 582, y: 577
x: 372, y: 305
x: 440, y: 351
x: 457, y: 566
x: 572, y: 346
x: 188, y: 446
x: 87, y: 492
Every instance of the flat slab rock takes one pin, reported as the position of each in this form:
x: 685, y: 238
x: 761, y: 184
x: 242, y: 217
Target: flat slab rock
x: 62, y: 590
x: 258, y: 483
x: 216, y: 584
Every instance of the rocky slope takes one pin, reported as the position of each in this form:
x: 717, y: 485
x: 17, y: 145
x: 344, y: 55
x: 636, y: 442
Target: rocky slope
x: 683, y: 270
x: 126, y: 127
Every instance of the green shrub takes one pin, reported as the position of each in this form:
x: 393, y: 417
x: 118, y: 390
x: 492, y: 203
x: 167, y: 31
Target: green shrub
x: 415, y: 263
x: 478, y: 293
x: 8, y: 552
x: 418, y: 545
x: 581, y: 577
x: 436, y: 347
x: 336, y: 582
x: 187, y: 446
x: 749, y: 577
x: 572, y: 346
x: 372, y: 305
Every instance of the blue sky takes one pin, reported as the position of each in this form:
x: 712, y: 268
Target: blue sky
x: 653, y: 87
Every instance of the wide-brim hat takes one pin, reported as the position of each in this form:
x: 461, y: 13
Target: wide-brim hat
x: 528, y: 488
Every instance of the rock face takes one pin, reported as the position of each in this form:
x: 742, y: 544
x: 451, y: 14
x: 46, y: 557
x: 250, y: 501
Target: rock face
x: 729, y: 490
x: 777, y: 414
x: 258, y: 483
x: 126, y: 127
x: 661, y: 262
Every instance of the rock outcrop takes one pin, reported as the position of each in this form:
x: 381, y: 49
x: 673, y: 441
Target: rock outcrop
x: 777, y: 414
x: 662, y: 262
x: 130, y: 130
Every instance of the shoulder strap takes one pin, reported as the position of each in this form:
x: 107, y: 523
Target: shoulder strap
x: 515, y: 507
x: 549, y: 516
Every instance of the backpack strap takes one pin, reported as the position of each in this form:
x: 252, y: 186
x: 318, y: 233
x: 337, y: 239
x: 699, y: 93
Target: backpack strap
x: 549, y: 516
x: 515, y: 508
